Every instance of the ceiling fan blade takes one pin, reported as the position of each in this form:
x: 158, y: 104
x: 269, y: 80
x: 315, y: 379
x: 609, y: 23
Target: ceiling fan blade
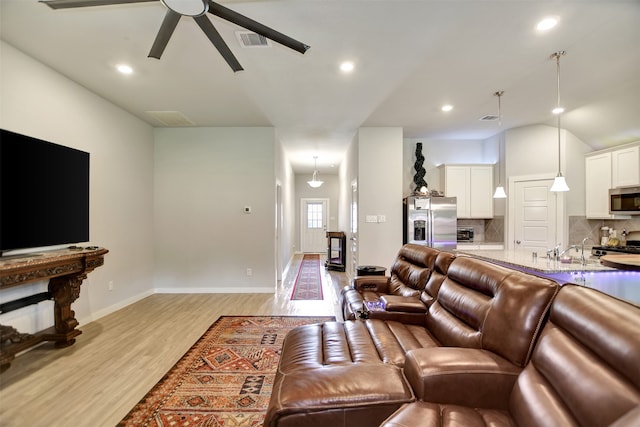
x: 67, y: 4
x: 256, y: 27
x: 169, y: 23
x: 218, y: 42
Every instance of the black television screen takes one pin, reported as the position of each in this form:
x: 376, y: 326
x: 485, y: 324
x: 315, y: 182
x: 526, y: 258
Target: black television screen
x: 44, y: 193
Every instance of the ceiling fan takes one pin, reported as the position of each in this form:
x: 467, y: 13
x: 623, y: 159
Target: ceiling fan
x: 196, y: 9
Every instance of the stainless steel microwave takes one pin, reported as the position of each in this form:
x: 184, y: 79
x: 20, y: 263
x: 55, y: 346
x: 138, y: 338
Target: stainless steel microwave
x: 624, y: 201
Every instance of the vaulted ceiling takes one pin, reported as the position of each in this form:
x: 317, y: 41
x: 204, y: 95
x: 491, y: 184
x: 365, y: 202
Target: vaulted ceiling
x: 410, y: 57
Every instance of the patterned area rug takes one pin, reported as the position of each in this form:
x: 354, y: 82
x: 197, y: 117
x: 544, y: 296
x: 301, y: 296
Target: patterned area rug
x: 225, y: 379
x: 308, y: 285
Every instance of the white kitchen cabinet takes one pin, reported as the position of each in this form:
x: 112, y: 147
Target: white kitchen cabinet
x: 598, y: 181
x: 472, y: 185
x: 625, y: 167
x: 609, y: 169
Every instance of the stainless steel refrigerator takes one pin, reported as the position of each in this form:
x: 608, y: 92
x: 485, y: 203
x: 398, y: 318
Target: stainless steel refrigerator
x: 431, y: 221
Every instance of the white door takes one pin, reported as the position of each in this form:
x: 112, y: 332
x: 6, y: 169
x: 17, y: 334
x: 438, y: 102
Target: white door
x: 313, y: 225
x: 534, y: 216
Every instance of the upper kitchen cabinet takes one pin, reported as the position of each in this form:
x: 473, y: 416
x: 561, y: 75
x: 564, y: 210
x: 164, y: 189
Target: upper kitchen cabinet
x: 472, y: 185
x: 625, y: 167
x: 609, y: 169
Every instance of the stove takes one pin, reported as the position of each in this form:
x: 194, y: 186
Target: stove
x: 632, y: 247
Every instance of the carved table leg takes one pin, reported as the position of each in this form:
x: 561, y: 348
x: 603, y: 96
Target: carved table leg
x: 65, y: 290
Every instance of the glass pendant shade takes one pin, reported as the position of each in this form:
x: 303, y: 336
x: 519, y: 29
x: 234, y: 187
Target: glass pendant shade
x: 559, y: 184
x: 315, y: 182
x: 499, y: 194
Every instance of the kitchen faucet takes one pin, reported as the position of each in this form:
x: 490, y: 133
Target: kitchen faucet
x: 583, y: 260
x: 567, y: 250
x: 555, y: 252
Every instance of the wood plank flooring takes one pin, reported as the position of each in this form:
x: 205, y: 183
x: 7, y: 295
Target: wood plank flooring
x: 119, y: 357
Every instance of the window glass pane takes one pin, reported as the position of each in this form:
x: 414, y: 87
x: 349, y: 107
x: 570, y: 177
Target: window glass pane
x: 314, y: 215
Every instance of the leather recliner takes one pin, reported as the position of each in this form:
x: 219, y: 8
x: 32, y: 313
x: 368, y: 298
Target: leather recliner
x: 584, y: 371
x: 400, y: 292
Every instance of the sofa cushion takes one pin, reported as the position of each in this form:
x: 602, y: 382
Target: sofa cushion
x: 461, y: 376
x: 411, y: 270
x: 584, y: 370
x: 433, y: 414
x: 486, y: 306
x: 349, y: 395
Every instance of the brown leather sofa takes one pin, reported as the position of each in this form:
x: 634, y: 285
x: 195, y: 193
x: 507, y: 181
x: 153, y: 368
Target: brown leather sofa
x: 404, y: 292
x: 584, y: 371
x: 351, y: 373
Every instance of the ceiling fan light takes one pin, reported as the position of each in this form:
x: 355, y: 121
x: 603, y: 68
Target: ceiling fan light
x: 559, y: 184
x: 499, y: 194
x: 187, y: 7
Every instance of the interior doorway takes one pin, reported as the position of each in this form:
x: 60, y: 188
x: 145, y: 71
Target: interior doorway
x: 353, y: 225
x: 313, y: 225
x: 536, y: 214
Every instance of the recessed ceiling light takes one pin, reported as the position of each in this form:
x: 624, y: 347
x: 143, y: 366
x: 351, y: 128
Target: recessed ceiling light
x: 447, y: 108
x: 347, y: 66
x: 547, y: 23
x: 558, y: 110
x: 124, y: 68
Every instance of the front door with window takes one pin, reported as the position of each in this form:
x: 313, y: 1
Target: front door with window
x: 313, y: 221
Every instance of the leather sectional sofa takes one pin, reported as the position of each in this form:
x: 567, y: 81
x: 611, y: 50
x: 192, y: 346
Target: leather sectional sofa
x: 494, y: 347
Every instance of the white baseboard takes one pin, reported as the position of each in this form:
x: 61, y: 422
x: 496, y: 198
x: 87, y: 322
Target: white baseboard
x: 217, y: 290
x: 115, y: 307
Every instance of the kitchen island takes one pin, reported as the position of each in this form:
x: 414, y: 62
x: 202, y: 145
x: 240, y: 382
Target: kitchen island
x: 619, y: 283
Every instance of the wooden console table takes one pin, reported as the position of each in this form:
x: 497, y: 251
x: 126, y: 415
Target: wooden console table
x: 65, y: 269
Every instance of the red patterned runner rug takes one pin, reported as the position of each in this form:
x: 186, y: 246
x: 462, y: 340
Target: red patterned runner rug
x: 225, y: 379
x: 308, y: 284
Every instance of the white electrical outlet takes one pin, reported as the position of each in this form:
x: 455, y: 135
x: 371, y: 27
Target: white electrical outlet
x: 110, y: 285
x: 249, y: 272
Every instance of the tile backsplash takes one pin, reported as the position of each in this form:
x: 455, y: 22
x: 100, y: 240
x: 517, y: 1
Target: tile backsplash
x: 485, y: 230
x: 581, y: 227
x: 492, y: 230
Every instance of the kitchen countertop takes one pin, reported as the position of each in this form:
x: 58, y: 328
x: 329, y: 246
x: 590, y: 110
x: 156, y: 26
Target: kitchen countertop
x: 525, y: 260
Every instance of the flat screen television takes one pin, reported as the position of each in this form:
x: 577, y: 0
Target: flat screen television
x: 44, y: 193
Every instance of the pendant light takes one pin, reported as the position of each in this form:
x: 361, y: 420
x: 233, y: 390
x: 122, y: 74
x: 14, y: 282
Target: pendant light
x: 559, y: 183
x: 499, y: 194
x: 315, y: 183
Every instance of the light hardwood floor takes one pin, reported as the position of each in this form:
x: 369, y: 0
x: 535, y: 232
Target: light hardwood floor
x: 119, y: 357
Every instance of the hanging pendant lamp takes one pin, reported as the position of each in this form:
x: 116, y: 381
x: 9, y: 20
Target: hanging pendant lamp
x: 315, y: 182
x: 500, y: 193
x: 559, y: 183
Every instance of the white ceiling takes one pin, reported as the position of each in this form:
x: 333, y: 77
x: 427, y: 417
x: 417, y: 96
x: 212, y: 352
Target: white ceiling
x: 411, y: 57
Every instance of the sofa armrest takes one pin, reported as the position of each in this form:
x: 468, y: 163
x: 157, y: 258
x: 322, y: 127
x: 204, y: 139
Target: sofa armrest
x: 461, y: 376
x: 371, y: 283
x: 403, y: 304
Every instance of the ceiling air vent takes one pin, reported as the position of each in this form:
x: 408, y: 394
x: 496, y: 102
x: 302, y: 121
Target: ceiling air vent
x: 170, y: 118
x: 251, y: 39
x: 489, y: 118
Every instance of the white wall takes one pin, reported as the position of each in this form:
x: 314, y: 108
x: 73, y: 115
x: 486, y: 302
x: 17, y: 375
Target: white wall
x: 204, y: 177
x: 285, y: 178
x: 380, y: 166
x: 37, y: 101
x: 533, y: 150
